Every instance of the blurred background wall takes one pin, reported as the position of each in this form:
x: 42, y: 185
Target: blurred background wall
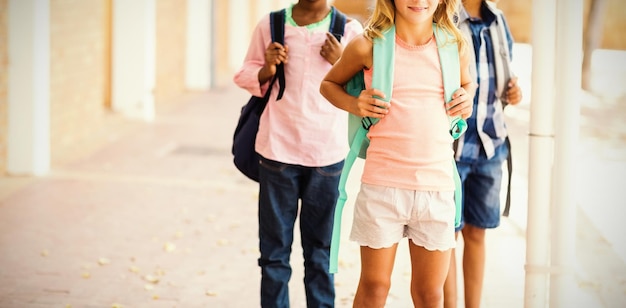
x: 83, y: 71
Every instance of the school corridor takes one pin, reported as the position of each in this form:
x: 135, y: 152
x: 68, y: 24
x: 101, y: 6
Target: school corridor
x: 117, y: 187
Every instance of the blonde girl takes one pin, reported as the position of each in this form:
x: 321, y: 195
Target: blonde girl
x: 407, y: 187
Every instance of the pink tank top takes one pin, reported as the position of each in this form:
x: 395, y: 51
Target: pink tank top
x: 411, y: 148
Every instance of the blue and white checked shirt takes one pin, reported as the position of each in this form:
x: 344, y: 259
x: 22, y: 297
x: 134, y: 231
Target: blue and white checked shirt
x: 486, y: 128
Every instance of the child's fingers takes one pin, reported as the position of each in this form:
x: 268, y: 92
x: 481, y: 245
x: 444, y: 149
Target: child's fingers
x: 458, y: 93
x: 330, y: 38
x: 461, y: 105
x: 371, y: 105
x: 373, y: 92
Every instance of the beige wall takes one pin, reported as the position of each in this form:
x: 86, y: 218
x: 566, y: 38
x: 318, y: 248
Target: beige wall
x: 77, y: 72
x: 3, y: 83
x: 223, y: 73
x: 519, y: 17
x: 359, y: 9
x: 170, y: 49
x: 80, y: 69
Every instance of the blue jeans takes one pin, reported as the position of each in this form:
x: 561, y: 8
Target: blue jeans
x: 482, y: 181
x: 281, y: 186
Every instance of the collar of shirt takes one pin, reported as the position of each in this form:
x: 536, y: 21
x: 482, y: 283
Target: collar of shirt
x: 486, y: 11
x: 323, y: 24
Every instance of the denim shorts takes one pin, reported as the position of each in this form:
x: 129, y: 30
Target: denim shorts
x: 384, y: 215
x: 482, y: 181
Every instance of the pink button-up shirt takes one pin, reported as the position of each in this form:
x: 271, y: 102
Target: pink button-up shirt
x: 302, y: 128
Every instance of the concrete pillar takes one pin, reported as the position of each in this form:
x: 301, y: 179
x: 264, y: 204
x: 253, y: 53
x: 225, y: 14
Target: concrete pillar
x: 134, y: 58
x: 564, y: 291
x: 239, y: 32
x: 28, y: 144
x: 199, y: 37
x: 541, y: 153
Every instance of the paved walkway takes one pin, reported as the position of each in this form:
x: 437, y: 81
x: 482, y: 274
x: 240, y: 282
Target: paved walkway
x: 159, y: 217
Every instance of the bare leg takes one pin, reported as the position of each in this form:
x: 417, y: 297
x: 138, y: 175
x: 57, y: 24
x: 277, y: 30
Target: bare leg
x: 450, y: 295
x: 473, y: 264
x: 375, y: 281
x: 429, y: 271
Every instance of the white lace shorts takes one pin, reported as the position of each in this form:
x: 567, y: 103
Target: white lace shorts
x: 385, y: 215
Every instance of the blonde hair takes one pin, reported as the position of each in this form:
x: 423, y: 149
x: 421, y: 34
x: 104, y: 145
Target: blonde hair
x: 384, y: 14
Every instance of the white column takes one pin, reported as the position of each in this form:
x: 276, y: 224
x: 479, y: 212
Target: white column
x: 198, y: 51
x: 28, y: 150
x: 564, y: 291
x: 238, y: 29
x: 541, y: 153
x: 134, y: 58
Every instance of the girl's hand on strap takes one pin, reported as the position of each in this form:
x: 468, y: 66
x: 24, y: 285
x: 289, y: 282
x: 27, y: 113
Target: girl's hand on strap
x: 461, y: 104
x: 370, y: 106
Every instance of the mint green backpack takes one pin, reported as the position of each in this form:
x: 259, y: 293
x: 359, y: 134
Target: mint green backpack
x: 358, y: 127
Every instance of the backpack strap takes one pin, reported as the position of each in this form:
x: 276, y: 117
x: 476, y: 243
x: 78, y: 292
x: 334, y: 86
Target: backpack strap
x: 449, y: 57
x: 509, y: 167
x: 337, y: 23
x: 451, y: 72
x: 506, y: 74
x: 382, y: 79
x: 277, y: 29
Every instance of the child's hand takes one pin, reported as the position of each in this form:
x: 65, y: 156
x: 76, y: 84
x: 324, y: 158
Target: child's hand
x: 514, y: 92
x: 461, y: 104
x: 274, y: 55
x: 369, y: 106
x: 331, y: 49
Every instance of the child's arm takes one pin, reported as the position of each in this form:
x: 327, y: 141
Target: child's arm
x: 356, y: 56
x: 256, y: 71
x: 463, y: 99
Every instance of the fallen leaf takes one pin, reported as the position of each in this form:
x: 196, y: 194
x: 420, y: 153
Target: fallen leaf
x: 169, y: 247
x: 151, y: 279
x: 211, y: 293
x: 155, y: 296
x: 148, y: 287
x: 85, y: 275
x: 44, y: 253
x: 104, y: 261
x: 133, y: 269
